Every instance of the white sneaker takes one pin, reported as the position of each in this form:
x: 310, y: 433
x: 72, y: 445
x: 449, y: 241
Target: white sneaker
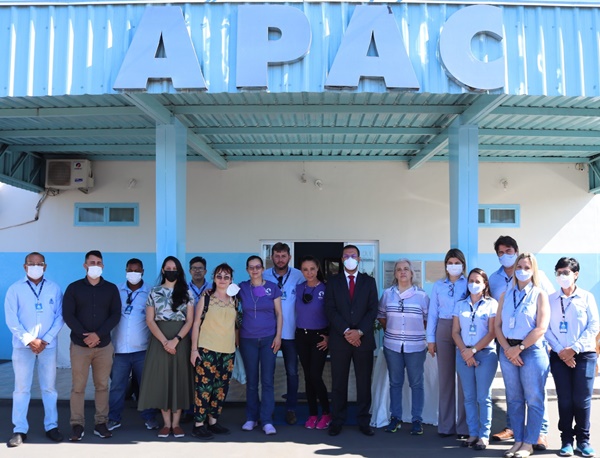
x: 249, y: 425
x: 269, y: 429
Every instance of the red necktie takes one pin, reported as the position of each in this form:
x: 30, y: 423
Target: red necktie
x: 351, y: 277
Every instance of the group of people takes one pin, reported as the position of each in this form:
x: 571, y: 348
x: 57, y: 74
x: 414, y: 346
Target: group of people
x: 470, y: 322
x: 178, y: 340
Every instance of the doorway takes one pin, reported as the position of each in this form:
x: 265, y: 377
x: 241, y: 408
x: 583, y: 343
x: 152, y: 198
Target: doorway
x: 328, y: 253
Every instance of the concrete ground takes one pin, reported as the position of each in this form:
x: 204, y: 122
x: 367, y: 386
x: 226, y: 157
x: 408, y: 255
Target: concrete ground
x: 290, y: 441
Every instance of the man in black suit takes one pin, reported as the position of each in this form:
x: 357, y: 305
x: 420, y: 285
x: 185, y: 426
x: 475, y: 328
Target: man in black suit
x: 351, y: 306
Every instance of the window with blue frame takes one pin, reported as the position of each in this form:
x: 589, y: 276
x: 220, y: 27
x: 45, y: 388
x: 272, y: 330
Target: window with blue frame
x: 499, y: 216
x: 106, y: 214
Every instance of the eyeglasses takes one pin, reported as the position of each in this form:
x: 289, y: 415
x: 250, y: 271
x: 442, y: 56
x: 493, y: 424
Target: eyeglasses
x: 451, y: 290
x: 257, y: 267
x: 223, y: 277
x: 353, y: 256
x: 562, y: 272
x: 401, y: 304
x: 37, y: 264
x: 197, y: 269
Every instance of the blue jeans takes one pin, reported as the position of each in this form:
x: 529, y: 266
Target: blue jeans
x: 477, y: 389
x: 290, y: 360
x: 414, y: 363
x: 525, y: 388
x: 574, y: 388
x: 259, y: 362
x: 123, y: 365
x: 23, y: 360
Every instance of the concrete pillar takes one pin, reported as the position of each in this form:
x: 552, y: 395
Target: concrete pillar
x: 171, y: 165
x: 464, y: 190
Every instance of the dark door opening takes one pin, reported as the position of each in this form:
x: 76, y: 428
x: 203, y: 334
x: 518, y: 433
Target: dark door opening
x: 328, y: 253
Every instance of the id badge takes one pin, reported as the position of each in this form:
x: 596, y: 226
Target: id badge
x: 283, y: 295
x: 38, y: 307
x: 563, y: 327
x: 472, y: 330
x: 512, y: 322
x: 128, y: 309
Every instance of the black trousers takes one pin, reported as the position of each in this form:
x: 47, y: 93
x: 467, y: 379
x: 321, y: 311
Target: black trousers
x: 342, y: 354
x: 313, y: 362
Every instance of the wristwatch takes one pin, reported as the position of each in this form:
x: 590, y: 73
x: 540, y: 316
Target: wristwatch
x: 474, y: 350
x: 521, y: 347
x: 360, y: 333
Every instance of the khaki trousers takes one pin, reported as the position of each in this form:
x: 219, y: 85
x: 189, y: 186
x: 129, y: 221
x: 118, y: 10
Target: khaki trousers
x: 100, y: 359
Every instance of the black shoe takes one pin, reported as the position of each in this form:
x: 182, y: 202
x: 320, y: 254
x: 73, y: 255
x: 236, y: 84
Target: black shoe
x: 367, y: 430
x: 202, y: 433
x: 102, y: 431
x: 334, y: 429
x: 54, y: 435
x: 218, y: 428
x: 445, y: 434
x: 462, y: 437
x: 77, y: 433
x: 290, y: 417
x: 16, y: 439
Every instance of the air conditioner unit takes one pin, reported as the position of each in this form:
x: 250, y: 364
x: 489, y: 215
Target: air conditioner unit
x: 69, y: 174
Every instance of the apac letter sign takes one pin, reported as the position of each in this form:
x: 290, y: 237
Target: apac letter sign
x: 257, y: 50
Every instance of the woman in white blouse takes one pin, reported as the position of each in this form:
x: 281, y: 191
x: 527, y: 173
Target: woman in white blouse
x: 476, y: 358
x: 572, y: 337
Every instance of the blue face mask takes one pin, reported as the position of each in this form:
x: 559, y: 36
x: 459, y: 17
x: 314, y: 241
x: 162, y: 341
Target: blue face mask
x: 507, y: 260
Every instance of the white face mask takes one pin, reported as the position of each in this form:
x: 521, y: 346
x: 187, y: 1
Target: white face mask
x: 232, y: 290
x: 524, y: 275
x: 507, y: 260
x: 133, y: 277
x: 94, y: 272
x: 35, y: 272
x: 350, y: 264
x: 566, y: 281
x: 454, y: 269
x: 476, y: 288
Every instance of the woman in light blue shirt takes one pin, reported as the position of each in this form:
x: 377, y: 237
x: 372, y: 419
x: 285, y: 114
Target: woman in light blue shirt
x: 572, y: 336
x: 444, y: 296
x: 521, y: 321
x: 476, y: 359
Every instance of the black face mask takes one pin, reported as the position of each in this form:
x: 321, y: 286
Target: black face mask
x: 170, y: 275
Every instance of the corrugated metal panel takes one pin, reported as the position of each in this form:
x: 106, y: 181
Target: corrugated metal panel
x: 57, y: 50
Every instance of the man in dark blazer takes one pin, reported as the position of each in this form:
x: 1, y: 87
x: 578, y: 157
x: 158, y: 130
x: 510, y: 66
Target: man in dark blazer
x: 351, y: 306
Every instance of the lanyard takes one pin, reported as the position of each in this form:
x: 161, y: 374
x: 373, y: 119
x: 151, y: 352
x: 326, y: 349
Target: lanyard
x: 563, y: 308
x: 280, y: 280
x: 515, y: 300
x: 474, y: 310
x: 37, y: 295
x: 131, y: 297
x: 197, y: 292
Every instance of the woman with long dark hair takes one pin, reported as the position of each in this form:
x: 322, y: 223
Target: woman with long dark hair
x: 476, y: 358
x: 213, y: 352
x: 312, y: 331
x: 444, y: 296
x: 169, y: 315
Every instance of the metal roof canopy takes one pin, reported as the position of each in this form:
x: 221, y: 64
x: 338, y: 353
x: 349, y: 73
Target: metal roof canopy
x: 393, y: 126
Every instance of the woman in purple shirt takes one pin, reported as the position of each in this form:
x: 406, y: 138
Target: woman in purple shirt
x: 312, y: 330
x: 260, y: 339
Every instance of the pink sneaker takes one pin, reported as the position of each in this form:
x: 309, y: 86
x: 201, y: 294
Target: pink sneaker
x: 311, y: 423
x: 324, y: 422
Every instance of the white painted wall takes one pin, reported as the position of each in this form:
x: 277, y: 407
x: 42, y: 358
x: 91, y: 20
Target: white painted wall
x: 230, y: 211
